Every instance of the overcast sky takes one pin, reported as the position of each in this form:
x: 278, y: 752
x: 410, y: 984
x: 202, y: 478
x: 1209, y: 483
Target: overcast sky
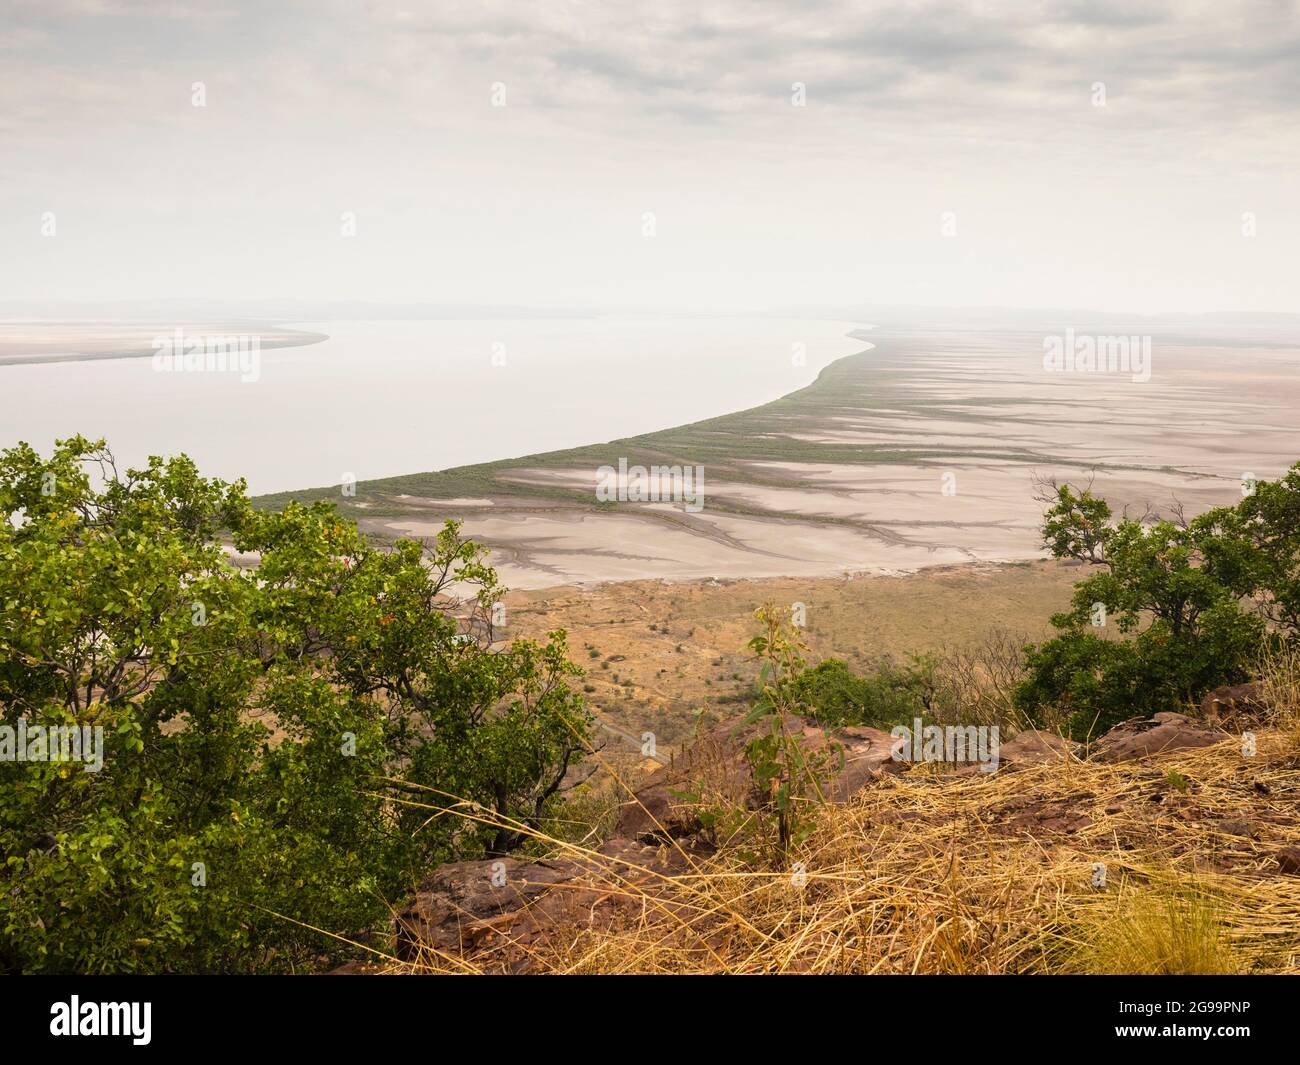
x: 678, y: 109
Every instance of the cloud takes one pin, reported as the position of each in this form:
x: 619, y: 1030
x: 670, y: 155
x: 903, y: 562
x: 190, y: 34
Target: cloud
x: 680, y: 107
x: 970, y: 64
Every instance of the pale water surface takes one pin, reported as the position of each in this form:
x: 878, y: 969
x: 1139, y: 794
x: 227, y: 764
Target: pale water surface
x: 384, y: 398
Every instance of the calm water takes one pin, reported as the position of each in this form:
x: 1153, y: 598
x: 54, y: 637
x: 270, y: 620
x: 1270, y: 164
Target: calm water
x: 383, y: 398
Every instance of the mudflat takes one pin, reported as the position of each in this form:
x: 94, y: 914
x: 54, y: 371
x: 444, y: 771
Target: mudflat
x: 923, y: 450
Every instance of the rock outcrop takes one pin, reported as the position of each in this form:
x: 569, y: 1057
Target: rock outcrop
x: 1033, y: 747
x: 1235, y: 705
x: 714, y: 769
x: 505, y: 905
x: 1162, y: 734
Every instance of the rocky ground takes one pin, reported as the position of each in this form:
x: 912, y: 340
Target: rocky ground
x: 909, y: 867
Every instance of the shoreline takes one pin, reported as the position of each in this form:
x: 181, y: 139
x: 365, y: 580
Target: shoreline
x: 397, y: 398
x: 852, y: 334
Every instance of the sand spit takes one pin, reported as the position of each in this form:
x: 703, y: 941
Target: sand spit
x: 42, y: 342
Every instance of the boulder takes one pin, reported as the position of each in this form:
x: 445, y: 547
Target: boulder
x: 1029, y: 747
x: 1033, y: 747
x: 1162, y: 734
x: 1288, y: 860
x: 497, y: 907
x: 868, y: 752
x: 1235, y: 705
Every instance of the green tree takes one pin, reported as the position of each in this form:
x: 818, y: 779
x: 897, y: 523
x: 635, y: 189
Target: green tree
x: 285, y: 747
x: 1192, y: 602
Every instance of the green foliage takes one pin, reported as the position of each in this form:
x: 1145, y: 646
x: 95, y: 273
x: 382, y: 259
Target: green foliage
x: 283, y: 747
x: 786, y: 776
x: 1193, y: 604
x: 834, y: 695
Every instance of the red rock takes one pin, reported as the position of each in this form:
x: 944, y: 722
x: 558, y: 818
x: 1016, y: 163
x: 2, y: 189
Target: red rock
x: 497, y: 907
x: 1288, y: 860
x: 1163, y: 734
x: 1032, y: 747
x: 1235, y: 703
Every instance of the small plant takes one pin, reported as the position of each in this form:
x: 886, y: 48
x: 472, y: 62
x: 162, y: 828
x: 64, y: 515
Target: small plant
x: 1177, y: 781
x: 786, y: 777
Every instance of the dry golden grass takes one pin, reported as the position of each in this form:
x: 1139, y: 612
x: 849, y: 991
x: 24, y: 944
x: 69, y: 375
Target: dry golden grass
x: 1159, y: 930
x: 976, y: 874
x: 678, y: 647
x: 1281, y: 684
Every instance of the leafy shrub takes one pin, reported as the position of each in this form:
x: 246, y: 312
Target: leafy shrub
x: 835, y: 695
